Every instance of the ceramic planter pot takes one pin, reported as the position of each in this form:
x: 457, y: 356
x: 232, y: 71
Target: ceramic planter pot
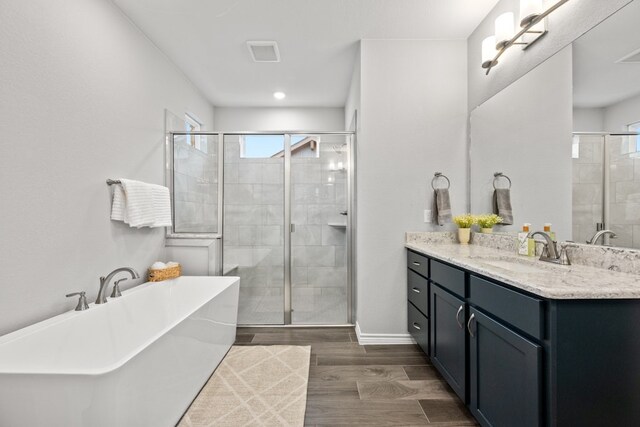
x: 464, y: 235
x: 486, y: 230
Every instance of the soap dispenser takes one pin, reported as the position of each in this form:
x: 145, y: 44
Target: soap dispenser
x: 526, y: 245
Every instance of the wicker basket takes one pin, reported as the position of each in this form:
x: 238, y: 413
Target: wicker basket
x: 158, y: 275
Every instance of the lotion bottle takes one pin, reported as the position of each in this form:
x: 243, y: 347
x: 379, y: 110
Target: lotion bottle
x: 547, y: 229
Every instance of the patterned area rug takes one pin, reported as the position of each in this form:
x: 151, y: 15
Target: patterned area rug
x: 254, y: 385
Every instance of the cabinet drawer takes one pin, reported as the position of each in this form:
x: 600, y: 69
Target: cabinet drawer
x: 418, y: 292
x: 524, y: 312
x: 448, y: 277
x: 418, y: 263
x: 418, y: 326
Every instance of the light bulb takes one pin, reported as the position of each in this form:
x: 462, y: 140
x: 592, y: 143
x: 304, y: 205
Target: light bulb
x: 529, y: 10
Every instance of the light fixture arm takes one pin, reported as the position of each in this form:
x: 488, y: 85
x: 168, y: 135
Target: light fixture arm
x: 526, y: 29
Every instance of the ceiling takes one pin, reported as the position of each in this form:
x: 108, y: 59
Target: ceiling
x: 598, y: 80
x: 317, y: 41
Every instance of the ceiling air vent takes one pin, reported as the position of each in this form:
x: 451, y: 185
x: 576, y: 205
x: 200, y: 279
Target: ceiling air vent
x: 632, y: 58
x: 264, y: 51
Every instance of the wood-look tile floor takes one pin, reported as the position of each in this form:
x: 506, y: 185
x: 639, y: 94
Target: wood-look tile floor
x: 374, y: 385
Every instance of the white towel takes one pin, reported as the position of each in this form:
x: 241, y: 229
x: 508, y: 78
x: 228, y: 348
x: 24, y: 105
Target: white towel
x: 119, y: 204
x: 138, y: 208
x: 141, y: 205
x: 161, y: 206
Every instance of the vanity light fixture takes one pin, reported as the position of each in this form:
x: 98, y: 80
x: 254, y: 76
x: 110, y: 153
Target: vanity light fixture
x: 532, y: 22
x: 279, y: 95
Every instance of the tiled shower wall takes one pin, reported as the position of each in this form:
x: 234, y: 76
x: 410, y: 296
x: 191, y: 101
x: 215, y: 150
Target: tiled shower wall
x: 253, y: 235
x: 195, y: 185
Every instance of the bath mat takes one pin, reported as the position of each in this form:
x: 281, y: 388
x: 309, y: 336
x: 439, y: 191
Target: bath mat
x: 254, y: 385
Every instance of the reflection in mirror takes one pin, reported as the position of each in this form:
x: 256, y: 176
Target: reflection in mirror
x: 584, y: 184
x: 525, y: 132
x: 606, y: 167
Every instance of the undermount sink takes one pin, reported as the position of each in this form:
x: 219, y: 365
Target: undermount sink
x: 515, y: 266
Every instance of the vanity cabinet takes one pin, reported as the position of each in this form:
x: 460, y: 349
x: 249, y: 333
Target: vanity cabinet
x: 504, y: 373
x: 519, y: 359
x: 448, y: 338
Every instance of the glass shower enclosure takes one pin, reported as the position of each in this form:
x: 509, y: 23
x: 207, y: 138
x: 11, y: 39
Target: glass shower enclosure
x: 285, y: 204
x: 606, y: 187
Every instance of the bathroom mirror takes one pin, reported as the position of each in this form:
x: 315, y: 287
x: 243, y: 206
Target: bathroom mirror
x: 565, y: 134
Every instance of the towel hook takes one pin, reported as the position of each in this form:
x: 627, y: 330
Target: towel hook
x: 497, y: 176
x: 435, y: 178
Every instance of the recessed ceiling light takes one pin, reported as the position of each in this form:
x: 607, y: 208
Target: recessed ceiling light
x: 279, y: 95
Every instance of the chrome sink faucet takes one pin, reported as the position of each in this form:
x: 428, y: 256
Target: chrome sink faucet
x: 550, y: 246
x: 599, y: 234
x: 104, y: 282
x: 550, y: 252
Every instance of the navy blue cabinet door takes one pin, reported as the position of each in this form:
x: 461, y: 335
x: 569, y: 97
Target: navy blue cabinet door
x: 505, y: 374
x: 448, y: 341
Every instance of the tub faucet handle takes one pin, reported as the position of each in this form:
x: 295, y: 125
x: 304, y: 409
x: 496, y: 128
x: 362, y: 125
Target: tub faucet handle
x: 115, y: 293
x: 82, y: 301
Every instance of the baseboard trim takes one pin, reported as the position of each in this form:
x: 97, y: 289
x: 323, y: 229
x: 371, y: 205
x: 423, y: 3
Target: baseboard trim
x: 387, y: 339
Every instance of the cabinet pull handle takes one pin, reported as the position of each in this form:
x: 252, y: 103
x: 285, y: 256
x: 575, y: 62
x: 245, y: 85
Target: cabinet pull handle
x: 471, y: 319
x: 416, y: 290
x: 415, y: 325
x: 416, y: 263
x: 460, y: 324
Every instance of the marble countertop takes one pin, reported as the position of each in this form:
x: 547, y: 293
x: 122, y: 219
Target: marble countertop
x: 537, y: 277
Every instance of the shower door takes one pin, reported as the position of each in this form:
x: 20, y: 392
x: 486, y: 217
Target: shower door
x: 588, y: 186
x: 254, y: 225
x: 319, y: 227
x: 285, y: 226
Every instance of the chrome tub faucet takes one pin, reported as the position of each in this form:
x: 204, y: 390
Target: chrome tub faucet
x: 104, y: 283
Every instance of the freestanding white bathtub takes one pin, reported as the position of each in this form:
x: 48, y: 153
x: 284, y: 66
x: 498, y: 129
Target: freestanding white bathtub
x: 138, y: 360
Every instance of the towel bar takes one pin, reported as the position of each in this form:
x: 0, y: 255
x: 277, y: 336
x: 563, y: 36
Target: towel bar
x: 497, y: 176
x: 435, y: 178
x: 113, y: 181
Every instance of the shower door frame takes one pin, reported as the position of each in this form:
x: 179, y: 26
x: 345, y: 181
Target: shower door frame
x: 351, y: 175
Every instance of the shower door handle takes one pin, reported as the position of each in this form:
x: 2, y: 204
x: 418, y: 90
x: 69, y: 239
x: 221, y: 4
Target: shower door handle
x: 292, y: 228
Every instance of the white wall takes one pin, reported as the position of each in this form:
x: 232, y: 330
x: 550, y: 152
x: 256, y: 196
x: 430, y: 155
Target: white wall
x: 412, y: 122
x: 566, y: 24
x: 588, y: 119
x: 525, y: 132
x: 618, y: 116
x: 82, y: 99
x: 278, y: 118
x: 352, y: 104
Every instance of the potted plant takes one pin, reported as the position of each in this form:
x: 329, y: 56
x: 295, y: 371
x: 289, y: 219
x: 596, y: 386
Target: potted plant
x: 487, y: 221
x: 464, y: 223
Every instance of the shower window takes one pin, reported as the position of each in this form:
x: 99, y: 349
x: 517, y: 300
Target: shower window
x: 270, y: 146
x: 633, y: 145
x: 193, y: 125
